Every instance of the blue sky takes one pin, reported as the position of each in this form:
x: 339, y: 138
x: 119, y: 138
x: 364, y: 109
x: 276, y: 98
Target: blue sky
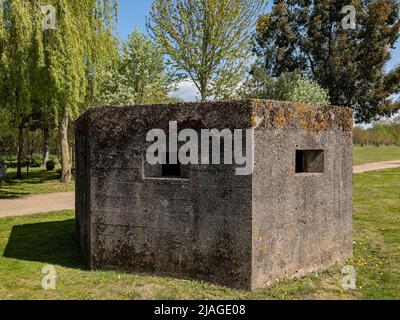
x: 132, y: 14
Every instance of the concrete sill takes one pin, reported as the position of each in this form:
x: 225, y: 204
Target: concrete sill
x: 167, y: 178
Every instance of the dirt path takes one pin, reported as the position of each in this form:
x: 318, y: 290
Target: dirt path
x: 376, y: 166
x: 66, y: 200
x: 37, y: 204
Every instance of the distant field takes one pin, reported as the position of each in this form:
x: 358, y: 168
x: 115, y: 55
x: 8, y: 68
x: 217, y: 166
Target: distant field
x: 370, y: 154
x: 27, y: 244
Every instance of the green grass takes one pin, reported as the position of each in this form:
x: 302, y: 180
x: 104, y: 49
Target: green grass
x: 39, y: 181
x: 370, y: 154
x: 29, y: 243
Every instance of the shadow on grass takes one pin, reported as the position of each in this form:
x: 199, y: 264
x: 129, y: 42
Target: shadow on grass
x: 35, y: 176
x: 4, y: 195
x: 48, y: 242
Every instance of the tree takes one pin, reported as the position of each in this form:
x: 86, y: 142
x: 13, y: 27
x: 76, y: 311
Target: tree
x: 288, y: 87
x: 43, y: 111
x: 49, y: 75
x: 382, y: 132
x: 209, y: 40
x: 308, y: 35
x: 360, y: 136
x: 74, y: 54
x: 138, y: 77
x: 8, y: 135
x: 15, y: 65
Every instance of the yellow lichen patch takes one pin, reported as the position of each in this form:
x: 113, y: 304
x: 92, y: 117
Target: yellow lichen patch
x: 280, y: 119
x: 311, y: 118
x: 290, y: 114
x: 305, y: 114
x: 319, y: 122
x: 345, y: 118
x: 280, y: 115
x: 254, y: 121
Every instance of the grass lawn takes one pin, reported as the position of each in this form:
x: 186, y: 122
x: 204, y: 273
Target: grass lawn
x: 27, y: 244
x: 39, y: 181
x: 370, y: 154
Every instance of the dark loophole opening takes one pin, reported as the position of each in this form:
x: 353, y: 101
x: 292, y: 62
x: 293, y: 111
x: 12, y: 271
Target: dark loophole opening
x: 310, y: 161
x: 171, y: 170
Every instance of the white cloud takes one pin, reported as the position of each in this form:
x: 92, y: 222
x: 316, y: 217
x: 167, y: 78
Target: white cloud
x: 187, y: 91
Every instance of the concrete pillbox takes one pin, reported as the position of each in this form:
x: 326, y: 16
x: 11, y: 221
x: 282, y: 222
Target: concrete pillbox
x: 291, y: 216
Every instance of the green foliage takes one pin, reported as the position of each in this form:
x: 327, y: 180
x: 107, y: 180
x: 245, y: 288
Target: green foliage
x: 139, y: 77
x: 350, y: 64
x: 2, y: 53
x: 50, y: 165
x: 8, y: 134
x: 15, y: 37
x: 288, y: 87
x: 75, y: 51
x: 17, y: 30
x: 47, y: 75
x: 209, y: 40
x: 37, y: 160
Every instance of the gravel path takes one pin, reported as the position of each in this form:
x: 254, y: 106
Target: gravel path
x: 66, y: 200
x: 37, y: 204
x: 377, y: 166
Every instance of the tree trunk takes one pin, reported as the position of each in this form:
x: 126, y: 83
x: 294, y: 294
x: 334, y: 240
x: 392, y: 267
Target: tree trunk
x: 65, y: 159
x: 203, y: 89
x: 20, y: 150
x: 45, y: 145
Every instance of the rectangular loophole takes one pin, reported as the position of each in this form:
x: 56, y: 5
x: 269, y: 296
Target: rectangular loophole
x: 171, y: 170
x: 310, y: 161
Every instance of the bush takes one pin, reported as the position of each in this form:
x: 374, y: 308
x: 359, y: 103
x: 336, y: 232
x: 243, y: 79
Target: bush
x: 50, y: 165
x: 288, y: 87
x: 37, y: 160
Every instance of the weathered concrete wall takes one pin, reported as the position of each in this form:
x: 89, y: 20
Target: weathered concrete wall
x: 302, y: 222
x: 239, y: 231
x: 195, y: 227
x: 82, y: 183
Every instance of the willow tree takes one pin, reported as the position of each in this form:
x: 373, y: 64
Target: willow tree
x: 209, y: 40
x: 2, y: 43
x: 73, y: 53
x: 15, y: 67
x: 42, y: 108
x: 2, y: 55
